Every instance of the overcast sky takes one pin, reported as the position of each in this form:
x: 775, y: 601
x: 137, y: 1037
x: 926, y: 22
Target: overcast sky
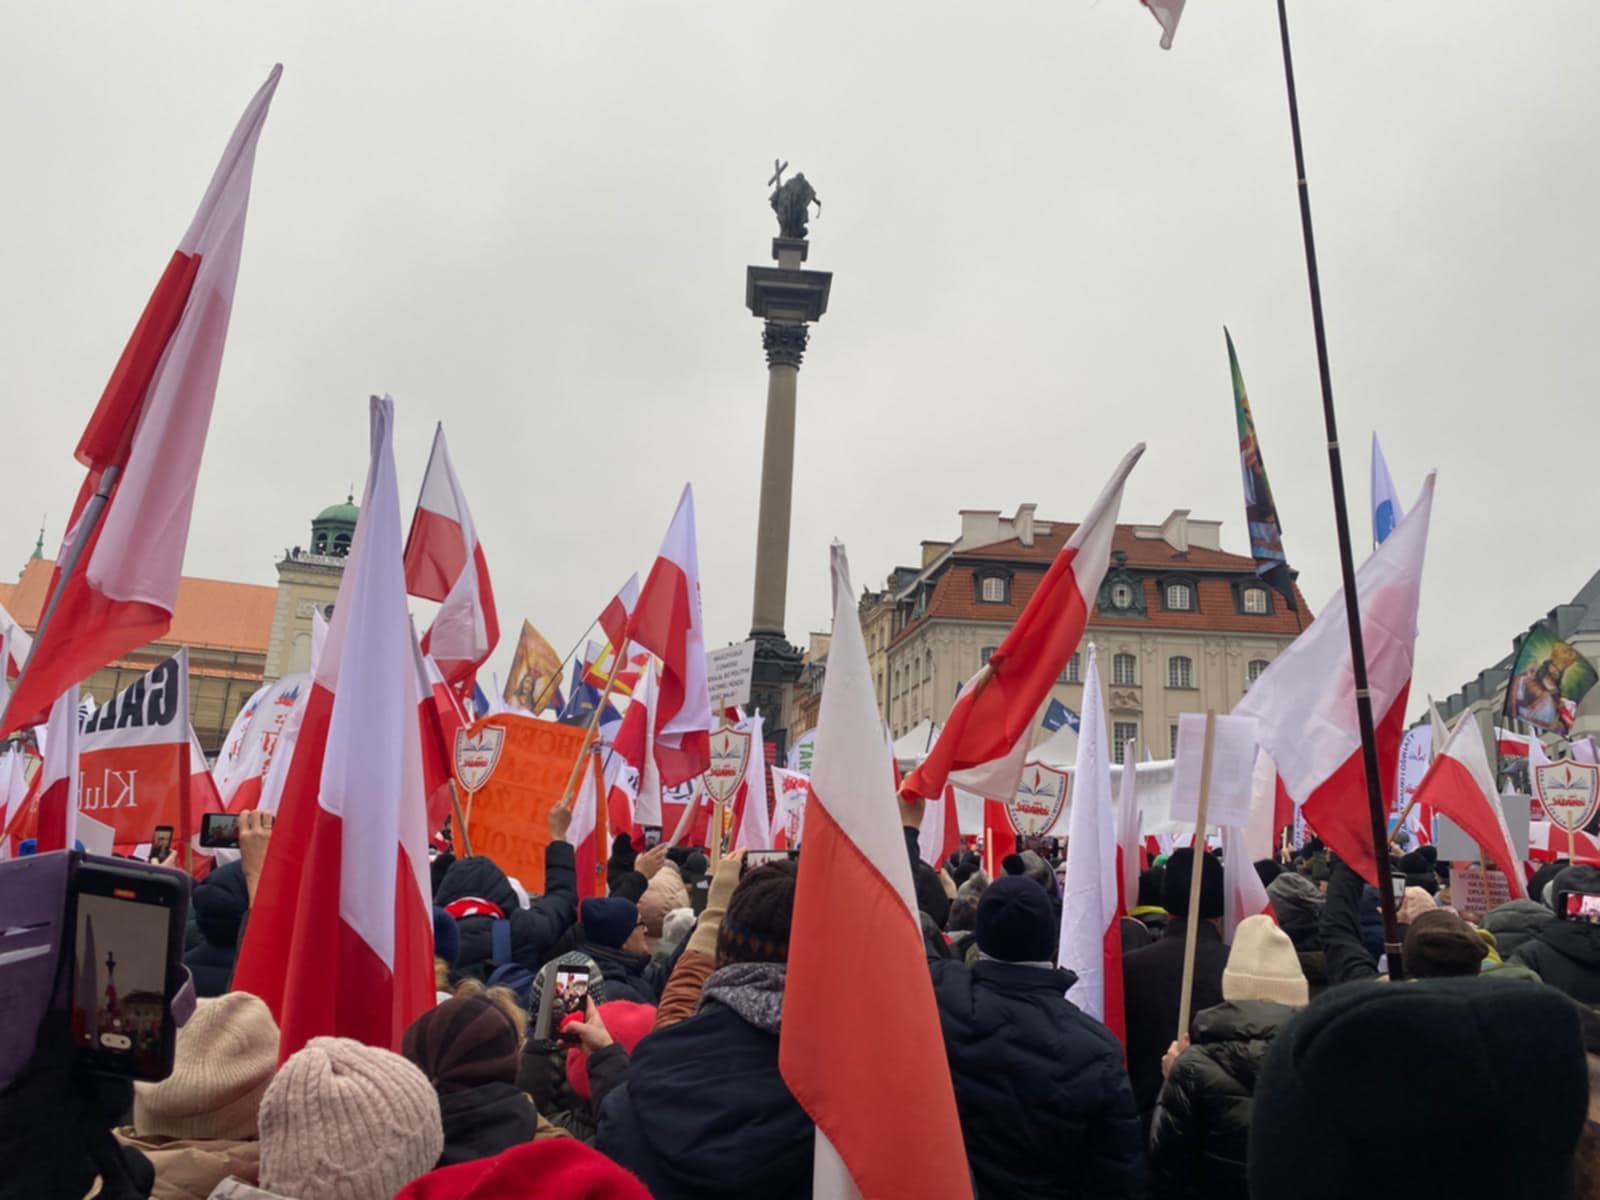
x: 532, y: 220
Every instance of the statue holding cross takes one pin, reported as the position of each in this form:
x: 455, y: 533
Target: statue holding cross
x: 792, y: 201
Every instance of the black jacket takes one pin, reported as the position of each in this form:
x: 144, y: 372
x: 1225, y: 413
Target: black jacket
x: 534, y: 930
x: 1046, y: 1108
x: 480, y: 1122
x: 1152, y: 980
x: 1566, y: 955
x: 1345, y: 954
x: 1200, y: 1138
x: 931, y: 897
x: 704, y: 1114
x: 219, y: 903
x: 1516, y: 922
x: 542, y: 1074
x: 629, y: 976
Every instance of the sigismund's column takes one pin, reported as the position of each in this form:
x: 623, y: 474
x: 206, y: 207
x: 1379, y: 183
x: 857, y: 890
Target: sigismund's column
x: 787, y: 298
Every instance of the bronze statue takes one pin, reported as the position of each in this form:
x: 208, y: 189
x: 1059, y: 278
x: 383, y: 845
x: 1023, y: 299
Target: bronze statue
x: 792, y: 201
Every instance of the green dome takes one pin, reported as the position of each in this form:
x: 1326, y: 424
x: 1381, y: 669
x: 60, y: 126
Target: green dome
x: 346, y: 513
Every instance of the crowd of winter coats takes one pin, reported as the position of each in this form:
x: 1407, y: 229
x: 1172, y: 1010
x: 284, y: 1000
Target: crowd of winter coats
x: 1304, y: 1072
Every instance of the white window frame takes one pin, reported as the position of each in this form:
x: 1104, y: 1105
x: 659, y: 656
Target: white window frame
x: 1180, y: 671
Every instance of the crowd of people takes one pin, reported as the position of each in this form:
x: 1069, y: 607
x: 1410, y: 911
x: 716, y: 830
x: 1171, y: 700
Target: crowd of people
x: 1304, y: 1072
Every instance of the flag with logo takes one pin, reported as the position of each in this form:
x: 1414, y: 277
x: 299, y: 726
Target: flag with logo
x: 1260, y: 511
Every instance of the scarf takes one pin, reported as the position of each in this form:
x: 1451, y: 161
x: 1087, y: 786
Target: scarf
x: 753, y: 990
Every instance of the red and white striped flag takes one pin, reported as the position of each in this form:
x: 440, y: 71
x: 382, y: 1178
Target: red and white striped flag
x: 15, y: 645
x: 255, y: 739
x: 986, y: 737
x: 1091, y: 929
x: 57, y: 785
x: 118, y: 578
x: 13, y: 792
x: 879, y: 1090
x: 631, y: 748
x: 1460, y: 784
x: 340, y: 939
x: 939, y: 836
x: 1129, y: 845
x: 753, y: 830
x: 444, y: 562
x: 1304, y: 704
x: 667, y: 621
x: 439, y: 715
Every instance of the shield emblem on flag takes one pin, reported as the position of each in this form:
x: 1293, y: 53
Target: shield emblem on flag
x: 1569, y: 792
x: 730, y: 757
x: 1040, y: 799
x: 476, y: 756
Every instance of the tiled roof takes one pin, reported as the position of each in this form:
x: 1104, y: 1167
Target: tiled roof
x: 209, y: 612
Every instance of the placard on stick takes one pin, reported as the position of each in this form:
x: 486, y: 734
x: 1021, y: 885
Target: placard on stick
x: 728, y: 673
x: 1233, y: 760
x: 512, y: 799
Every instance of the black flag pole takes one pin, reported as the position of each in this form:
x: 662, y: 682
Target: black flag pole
x: 1341, y: 518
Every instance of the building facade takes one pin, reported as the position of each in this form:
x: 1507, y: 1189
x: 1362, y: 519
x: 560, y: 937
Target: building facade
x: 1179, y: 625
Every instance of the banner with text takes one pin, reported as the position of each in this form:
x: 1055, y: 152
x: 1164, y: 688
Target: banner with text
x: 133, y: 756
x: 507, y: 795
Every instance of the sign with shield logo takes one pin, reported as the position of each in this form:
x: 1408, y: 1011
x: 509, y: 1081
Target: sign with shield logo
x: 1569, y: 792
x: 730, y: 757
x: 1040, y: 799
x: 476, y: 755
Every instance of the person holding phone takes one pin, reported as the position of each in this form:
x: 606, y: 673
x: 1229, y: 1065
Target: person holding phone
x: 1565, y: 953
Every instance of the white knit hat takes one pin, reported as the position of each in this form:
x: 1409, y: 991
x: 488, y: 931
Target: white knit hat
x: 343, y: 1121
x: 1262, y: 965
x: 225, y: 1056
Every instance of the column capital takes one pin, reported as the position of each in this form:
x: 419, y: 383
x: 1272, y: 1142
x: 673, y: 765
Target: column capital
x: 784, y: 343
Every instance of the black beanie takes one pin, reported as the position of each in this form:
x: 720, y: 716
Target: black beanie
x: 755, y: 927
x: 630, y: 885
x: 1440, y: 944
x: 1150, y: 884
x: 1175, y: 886
x: 1329, y: 1093
x: 1266, y: 871
x: 1016, y: 922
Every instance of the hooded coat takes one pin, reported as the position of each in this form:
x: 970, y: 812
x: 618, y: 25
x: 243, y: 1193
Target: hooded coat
x: 534, y: 930
x: 1045, y: 1104
x: 705, y: 1115
x: 1152, y: 981
x: 1566, y: 955
x: 480, y: 1122
x: 1516, y: 922
x: 219, y: 903
x: 1200, y: 1138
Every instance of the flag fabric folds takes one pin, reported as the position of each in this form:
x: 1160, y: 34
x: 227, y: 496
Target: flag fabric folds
x: 534, y: 682
x: 1386, y: 510
x: 1260, y: 511
x: 1129, y: 859
x: 1166, y: 13
x: 340, y: 938
x: 444, y: 561
x: 116, y: 579
x: 1304, y: 704
x: 855, y: 918
x: 986, y: 737
x: 667, y: 622
x: 1460, y: 784
x: 58, y: 777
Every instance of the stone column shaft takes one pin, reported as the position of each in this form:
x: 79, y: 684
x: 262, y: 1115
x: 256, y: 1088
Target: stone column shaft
x: 777, y: 488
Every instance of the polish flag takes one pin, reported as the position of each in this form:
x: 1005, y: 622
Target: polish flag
x: 340, y: 938
x: 1304, y: 703
x: 999, y: 837
x: 203, y: 794
x: 615, y: 615
x: 439, y: 715
x: 789, y: 816
x: 635, y: 799
x: 986, y: 738
x: 57, y: 785
x: 855, y: 918
x: 1243, y: 893
x: 754, y: 828
x: 613, y: 620
x: 15, y: 646
x: 1129, y: 859
x: 13, y: 792
x: 939, y: 837
x: 253, y: 741
x: 1091, y: 930
x: 587, y: 830
x: 444, y: 562
x: 1460, y: 784
x: 116, y: 578
x: 667, y: 622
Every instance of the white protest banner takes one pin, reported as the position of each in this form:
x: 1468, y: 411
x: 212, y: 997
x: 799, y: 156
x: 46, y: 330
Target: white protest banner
x: 789, y: 811
x: 728, y: 674
x: 247, y: 754
x: 133, y: 756
x: 800, y: 752
x: 1474, y: 890
x: 1233, y: 760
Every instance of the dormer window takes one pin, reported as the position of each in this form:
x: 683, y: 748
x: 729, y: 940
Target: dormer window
x: 1254, y: 600
x: 1122, y: 595
x: 1180, y: 597
x: 994, y: 587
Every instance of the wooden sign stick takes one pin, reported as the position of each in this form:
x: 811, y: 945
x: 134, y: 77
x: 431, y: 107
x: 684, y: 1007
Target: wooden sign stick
x: 1192, y: 932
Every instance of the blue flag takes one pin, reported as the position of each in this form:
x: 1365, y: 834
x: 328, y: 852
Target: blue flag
x: 1057, y: 715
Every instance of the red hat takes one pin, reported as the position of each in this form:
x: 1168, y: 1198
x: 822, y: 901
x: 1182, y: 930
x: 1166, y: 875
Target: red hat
x: 558, y: 1168
x: 627, y: 1023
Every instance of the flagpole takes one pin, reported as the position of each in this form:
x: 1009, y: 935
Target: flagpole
x: 90, y: 519
x: 1341, y: 518
x: 588, y: 732
x: 555, y: 680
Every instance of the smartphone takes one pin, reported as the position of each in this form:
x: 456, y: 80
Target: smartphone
x: 219, y: 831
x: 161, y: 841
x: 652, y: 836
x: 1578, y: 906
x: 761, y: 858
x: 565, y: 990
x: 128, y: 926
x: 1397, y: 884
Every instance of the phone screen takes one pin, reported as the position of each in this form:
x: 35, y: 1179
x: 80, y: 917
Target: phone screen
x: 652, y: 836
x: 219, y: 830
x: 122, y: 927
x: 1398, y: 884
x: 762, y: 858
x: 1582, y: 906
x: 571, y: 991
x: 161, y: 839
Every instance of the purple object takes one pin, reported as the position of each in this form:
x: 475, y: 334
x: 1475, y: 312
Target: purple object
x: 33, y: 903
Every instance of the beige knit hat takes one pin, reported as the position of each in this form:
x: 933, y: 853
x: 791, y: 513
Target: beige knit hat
x: 343, y: 1121
x: 226, y: 1054
x: 1262, y: 965
x: 665, y: 893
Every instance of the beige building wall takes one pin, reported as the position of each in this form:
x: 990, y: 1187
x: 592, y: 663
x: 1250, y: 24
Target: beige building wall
x: 306, y: 582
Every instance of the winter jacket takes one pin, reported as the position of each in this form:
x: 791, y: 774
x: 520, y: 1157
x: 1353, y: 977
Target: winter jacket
x: 629, y: 976
x: 1152, y: 980
x: 1345, y: 954
x: 1297, y: 906
x: 189, y: 1169
x: 1200, y: 1138
x: 1566, y: 955
x: 681, y: 996
x: 480, y: 1122
x: 1516, y: 922
x: 534, y: 930
x: 542, y: 1074
x: 218, y: 904
x: 1046, y: 1108
x: 705, y: 1115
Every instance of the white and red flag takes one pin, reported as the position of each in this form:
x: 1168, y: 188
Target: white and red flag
x: 1460, y: 784
x: 1244, y: 895
x: 667, y: 622
x: 13, y: 792
x: 57, y: 784
x: 983, y: 744
x: 254, y: 738
x: 116, y: 579
x: 614, y: 617
x: 855, y: 918
x: 1091, y: 928
x: 939, y: 836
x: 1129, y: 845
x: 340, y: 939
x: 444, y: 562
x: 15, y: 645
x: 789, y: 813
x: 753, y: 824
x: 439, y: 715
x: 622, y: 673
x: 635, y: 798
x: 1304, y: 704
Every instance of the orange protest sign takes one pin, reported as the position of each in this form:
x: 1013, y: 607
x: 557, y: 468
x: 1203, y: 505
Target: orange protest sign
x: 513, y: 790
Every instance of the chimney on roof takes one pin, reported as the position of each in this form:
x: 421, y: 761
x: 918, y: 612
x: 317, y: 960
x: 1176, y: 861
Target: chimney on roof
x: 932, y: 550
x: 1175, y: 530
x: 1023, y: 523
